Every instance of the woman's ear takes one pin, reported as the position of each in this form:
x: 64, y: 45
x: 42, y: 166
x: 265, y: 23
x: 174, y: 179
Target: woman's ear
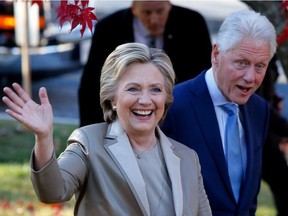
x: 113, y: 104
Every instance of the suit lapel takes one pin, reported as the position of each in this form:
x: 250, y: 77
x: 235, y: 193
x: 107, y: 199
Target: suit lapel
x: 123, y: 155
x: 173, y: 167
x: 207, y: 119
x: 248, y: 127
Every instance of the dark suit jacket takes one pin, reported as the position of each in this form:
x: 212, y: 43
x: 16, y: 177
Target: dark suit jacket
x: 185, y: 32
x: 192, y: 121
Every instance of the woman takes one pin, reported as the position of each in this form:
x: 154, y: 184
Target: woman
x: 125, y: 166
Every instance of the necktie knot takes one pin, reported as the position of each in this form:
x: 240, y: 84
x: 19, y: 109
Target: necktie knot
x: 230, y: 108
x: 152, y: 41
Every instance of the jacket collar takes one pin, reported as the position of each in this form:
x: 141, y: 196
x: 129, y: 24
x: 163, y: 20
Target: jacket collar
x: 118, y: 146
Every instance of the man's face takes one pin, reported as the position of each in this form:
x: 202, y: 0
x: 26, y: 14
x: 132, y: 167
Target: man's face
x: 240, y: 71
x: 152, y: 14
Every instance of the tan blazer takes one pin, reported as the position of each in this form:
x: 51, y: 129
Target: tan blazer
x: 115, y: 186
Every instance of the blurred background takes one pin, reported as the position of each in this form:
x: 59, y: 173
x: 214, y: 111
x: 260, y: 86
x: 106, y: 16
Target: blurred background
x: 57, y: 56
x: 54, y: 57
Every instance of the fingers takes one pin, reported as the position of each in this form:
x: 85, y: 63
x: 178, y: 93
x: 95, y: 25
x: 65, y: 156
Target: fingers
x: 16, y: 99
x: 11, y: 105
x: 43, y: 96
x: 19, y: 96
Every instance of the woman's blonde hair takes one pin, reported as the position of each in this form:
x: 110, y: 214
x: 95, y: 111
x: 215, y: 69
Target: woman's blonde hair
x: 115, y: 66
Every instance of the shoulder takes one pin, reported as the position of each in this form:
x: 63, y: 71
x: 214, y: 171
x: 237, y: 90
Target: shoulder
x: 257, y: 102
x: 196, y: 83
x: 185, y: 12
x: 117, y: 16
x: 183, y: 149
x: 257, y: 109
x: 84, y: 135
x: 117, y: 23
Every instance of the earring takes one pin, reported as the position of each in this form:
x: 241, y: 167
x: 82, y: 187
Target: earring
x: 114, y: 107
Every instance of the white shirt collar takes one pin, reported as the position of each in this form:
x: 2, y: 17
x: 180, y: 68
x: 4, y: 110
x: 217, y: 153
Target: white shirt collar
x: 142, y: 35
x: 216, y: 95
x: 140, y: 32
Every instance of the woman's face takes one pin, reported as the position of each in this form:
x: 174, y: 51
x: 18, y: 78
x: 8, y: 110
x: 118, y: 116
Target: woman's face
x: 140, y: 98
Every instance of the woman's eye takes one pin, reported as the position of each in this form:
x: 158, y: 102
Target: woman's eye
x: 156, y: 90
x: 132, y: 89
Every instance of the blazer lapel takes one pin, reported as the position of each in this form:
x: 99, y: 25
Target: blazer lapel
x: 118, y: 146
x: 248, y: 127
x: 207, y: 119
x: 173, y: 167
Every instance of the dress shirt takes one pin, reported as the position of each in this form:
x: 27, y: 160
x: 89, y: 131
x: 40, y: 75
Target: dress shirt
x: 141, y: 34
x: 218, y: 100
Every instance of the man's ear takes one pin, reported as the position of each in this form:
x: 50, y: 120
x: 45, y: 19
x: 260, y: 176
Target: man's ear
x: 215, y: 54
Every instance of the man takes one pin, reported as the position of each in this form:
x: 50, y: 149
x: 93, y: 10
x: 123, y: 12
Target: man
x: 147, y: 22
x: 198, y: 118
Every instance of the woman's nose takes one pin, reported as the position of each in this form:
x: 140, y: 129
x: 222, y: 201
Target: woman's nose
x: 144, y: 98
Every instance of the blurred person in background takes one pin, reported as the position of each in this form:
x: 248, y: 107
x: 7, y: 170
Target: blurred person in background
x: 126, y: 165
x: 154, y: 23
x: 231, y: 166
x: 275, y: 151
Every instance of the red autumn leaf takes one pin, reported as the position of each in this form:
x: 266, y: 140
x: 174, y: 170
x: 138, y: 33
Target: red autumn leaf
x: 87, y: 16
x: 283, y: 35
x: 284, y: 5
x: 85, y: 3
x: 83, y: 28
x: 31, y: 208
x: 75, y: 22
x: 77, y: 14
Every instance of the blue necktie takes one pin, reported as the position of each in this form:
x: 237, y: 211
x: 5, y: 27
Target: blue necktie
x: 233, y: 148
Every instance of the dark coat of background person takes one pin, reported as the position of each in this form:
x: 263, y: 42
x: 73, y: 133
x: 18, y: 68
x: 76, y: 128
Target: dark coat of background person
x: 275, y: 168
x: 186, y: 41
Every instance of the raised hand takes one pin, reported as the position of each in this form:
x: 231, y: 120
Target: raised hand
x: 37, y: 117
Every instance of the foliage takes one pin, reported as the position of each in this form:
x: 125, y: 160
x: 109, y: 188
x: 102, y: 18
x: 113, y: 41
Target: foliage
x: 17, y: 196
x: 283, y: 35
x: 78, y: 13
x: 16, y: 142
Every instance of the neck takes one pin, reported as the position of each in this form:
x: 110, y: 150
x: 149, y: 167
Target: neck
x: 141, y: 143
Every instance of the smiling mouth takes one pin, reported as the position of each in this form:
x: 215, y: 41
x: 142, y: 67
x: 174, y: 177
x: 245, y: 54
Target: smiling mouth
x: 143, y: 112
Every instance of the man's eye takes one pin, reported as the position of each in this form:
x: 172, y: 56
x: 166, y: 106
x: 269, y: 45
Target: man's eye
x: 241, y: 63
x: 260, y: 66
